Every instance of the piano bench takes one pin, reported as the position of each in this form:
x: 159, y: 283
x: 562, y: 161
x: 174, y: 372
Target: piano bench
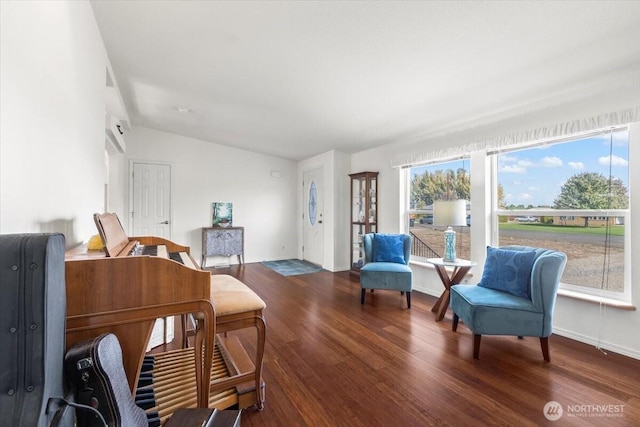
x: 230, y: 296
x: 236, y: 306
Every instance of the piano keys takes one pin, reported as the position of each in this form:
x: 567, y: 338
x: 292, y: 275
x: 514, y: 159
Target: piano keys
x: 162, y: 252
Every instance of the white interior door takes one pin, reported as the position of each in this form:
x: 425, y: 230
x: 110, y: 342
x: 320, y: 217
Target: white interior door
x: 151, y: 214
x: 313, y: 228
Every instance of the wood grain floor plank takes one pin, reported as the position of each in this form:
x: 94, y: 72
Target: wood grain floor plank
x: 330, y: 361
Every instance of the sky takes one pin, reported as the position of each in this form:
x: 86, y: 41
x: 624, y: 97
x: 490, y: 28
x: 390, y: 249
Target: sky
x: 534, y: 176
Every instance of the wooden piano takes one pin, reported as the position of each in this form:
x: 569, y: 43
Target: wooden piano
x: 119, y: 290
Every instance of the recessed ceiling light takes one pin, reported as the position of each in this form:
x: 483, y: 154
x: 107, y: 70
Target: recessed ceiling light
x: 184, y: 109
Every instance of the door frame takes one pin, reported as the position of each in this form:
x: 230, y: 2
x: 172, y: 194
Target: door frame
x: 129, y: 224
x: 320, y: 169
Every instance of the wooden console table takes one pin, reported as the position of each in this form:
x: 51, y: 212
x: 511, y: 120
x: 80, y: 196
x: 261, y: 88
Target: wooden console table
x: 222, y: 241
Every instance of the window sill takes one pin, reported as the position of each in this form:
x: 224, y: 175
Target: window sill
x: 422, y: 264
x: 609, y: 302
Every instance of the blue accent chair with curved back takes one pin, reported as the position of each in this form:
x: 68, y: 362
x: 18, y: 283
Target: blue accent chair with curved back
x: 516, y: 295
x: 386, y: 264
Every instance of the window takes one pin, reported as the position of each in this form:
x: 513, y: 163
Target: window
x: 428, y: 183
x: 571, y: 196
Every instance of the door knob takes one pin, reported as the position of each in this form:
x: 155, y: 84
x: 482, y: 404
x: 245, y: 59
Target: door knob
x: 165, y: 222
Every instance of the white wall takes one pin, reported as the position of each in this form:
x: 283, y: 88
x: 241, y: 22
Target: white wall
x: 342, y: 193
x: 117, y: 180
x: 52, y: 103
x: 203, y: 172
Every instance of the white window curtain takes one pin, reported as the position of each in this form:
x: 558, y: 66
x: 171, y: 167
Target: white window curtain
x: 479, y: 139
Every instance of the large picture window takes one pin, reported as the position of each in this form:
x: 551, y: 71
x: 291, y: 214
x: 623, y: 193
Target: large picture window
x: 572, y: 196
x: 431, y: 183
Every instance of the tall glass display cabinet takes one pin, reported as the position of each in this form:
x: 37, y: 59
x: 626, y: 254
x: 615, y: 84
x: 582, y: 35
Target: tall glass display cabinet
x: 364, y: 213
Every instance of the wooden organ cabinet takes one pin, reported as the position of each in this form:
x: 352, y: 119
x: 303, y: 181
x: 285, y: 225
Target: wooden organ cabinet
x: 124, y: 293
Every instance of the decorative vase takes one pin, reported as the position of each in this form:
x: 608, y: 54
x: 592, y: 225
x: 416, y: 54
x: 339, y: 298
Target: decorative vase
x: 449, y: 245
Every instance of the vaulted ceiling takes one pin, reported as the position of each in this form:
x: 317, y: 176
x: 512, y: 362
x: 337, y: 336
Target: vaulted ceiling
x: 294, y: 79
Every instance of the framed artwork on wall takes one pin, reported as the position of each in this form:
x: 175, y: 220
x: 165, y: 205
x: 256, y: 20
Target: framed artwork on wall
x: 222, y: 214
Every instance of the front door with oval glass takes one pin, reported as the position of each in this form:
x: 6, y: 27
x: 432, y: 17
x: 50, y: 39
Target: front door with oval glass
x: 313, y: 229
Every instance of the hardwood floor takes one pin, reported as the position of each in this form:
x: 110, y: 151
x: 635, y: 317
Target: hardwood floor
x: 330, y: 361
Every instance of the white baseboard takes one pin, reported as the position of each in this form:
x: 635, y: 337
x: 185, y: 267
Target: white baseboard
x: 606, y: 346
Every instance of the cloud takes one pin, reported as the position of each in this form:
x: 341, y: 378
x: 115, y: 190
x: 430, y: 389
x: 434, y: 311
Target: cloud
x: 525, y: 197
x: 615, y: 161
x: 512, y: 169
x: 551, y: 162
x: 576, y: 165
x: 519, y: 166
x: 507, y: 158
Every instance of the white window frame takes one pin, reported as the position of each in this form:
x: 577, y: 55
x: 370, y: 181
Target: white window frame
x: 625, y: 295
x: 486, y: 232
x: 407, y: 192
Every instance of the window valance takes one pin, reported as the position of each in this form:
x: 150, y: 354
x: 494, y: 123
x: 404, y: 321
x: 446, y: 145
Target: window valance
x: 462, y: 143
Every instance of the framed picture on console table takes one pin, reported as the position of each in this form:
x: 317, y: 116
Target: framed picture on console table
x: 222, y: 214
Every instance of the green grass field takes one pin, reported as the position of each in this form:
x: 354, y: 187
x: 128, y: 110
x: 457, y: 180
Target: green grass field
x: 616, y: 230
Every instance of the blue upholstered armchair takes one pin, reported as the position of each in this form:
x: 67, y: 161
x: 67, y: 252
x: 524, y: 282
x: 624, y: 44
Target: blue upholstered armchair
x: 516, y: 295
x: 387, y: 264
